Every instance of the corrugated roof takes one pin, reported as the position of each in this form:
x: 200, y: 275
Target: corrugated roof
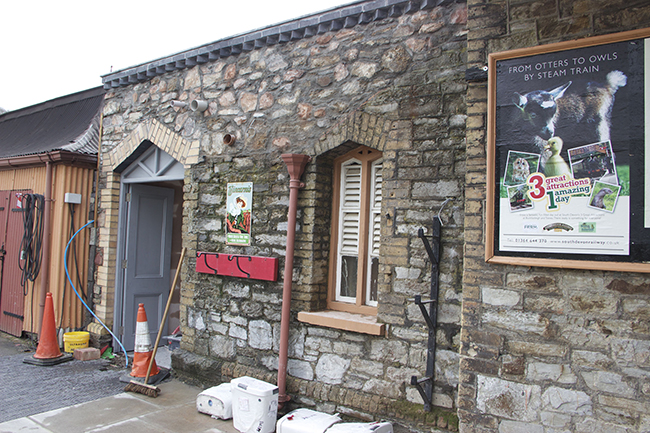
x: 68, y: 123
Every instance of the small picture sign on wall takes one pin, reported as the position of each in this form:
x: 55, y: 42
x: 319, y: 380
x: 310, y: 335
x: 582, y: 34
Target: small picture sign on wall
x: 239, y: 207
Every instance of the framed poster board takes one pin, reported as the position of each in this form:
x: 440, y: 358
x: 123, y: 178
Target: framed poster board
x: 568, y: 177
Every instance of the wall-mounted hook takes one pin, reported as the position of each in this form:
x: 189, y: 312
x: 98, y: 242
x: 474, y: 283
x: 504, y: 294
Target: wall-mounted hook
x: 441, y: 208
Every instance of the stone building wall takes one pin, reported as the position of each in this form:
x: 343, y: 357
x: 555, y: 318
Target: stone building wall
x: 397, y: 85
x: 543, y: 349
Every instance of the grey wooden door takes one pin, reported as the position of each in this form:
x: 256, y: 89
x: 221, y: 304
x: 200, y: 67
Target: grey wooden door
x: 148, y: 254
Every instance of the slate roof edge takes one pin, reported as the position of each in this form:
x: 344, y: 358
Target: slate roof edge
x: 348, y: 16
x: 56, y: 102
x: 53, y: 126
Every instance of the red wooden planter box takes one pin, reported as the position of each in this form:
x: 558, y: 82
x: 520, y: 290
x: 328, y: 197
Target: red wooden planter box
x: 234, y: 265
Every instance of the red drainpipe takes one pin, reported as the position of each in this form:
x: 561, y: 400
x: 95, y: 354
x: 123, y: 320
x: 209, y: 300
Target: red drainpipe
x: 45, y: 264
x: 296, y: 165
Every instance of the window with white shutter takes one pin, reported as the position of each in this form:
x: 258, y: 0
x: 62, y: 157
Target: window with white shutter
x: 374, y: 235
x: 349, y: 231
x: 356, y: 231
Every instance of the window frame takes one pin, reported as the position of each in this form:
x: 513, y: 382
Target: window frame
x: 367, y: 157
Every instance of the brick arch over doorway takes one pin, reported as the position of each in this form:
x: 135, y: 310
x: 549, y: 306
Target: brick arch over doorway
x: 184, y: 151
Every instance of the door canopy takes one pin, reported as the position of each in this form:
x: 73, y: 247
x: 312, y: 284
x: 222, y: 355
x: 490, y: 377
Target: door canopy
x: 154, y: 165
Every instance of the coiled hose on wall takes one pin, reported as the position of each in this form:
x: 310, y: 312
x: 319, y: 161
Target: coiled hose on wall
x: 31, y: 246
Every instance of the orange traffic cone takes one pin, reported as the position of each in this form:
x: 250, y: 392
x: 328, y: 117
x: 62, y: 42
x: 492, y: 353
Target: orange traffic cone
x: 142, y: 351
x: 48, y: 351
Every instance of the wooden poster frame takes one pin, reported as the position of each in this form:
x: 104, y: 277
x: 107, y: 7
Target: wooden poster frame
x: 498, y: 257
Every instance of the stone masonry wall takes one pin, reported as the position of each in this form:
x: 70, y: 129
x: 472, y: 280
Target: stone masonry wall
x: 396, y: 85
x: 546, y: 350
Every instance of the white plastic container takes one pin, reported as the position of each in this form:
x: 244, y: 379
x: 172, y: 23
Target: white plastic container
x: 306, y: 421
x: 360, y: 427
x: 216, y: 401
x: 254, y: 405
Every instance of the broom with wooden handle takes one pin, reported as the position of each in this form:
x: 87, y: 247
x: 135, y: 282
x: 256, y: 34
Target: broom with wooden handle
x: 144, y: 388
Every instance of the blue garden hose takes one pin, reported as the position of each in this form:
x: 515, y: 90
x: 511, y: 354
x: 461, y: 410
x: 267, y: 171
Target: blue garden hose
x: 67, y: 274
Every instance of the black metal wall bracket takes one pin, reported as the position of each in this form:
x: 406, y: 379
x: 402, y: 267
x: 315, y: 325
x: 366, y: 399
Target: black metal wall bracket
x: 425, y: 384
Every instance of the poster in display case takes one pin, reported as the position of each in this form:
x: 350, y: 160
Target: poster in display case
x: 568, y: 147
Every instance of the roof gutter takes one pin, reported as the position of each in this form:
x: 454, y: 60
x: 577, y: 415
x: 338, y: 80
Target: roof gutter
x: 57, y: 156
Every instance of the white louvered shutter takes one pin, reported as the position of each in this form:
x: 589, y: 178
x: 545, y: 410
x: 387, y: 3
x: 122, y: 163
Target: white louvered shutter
x: 375, y: 234
x: 350, y: 208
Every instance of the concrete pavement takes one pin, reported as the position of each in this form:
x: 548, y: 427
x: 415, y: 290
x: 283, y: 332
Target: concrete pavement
x: 173, y: 411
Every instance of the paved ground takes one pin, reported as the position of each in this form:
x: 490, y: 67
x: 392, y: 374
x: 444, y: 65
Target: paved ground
x: 28, y: 389
x: 10, y: 345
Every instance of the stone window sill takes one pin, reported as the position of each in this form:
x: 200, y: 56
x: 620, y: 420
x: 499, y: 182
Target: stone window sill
x: 342, y: 320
